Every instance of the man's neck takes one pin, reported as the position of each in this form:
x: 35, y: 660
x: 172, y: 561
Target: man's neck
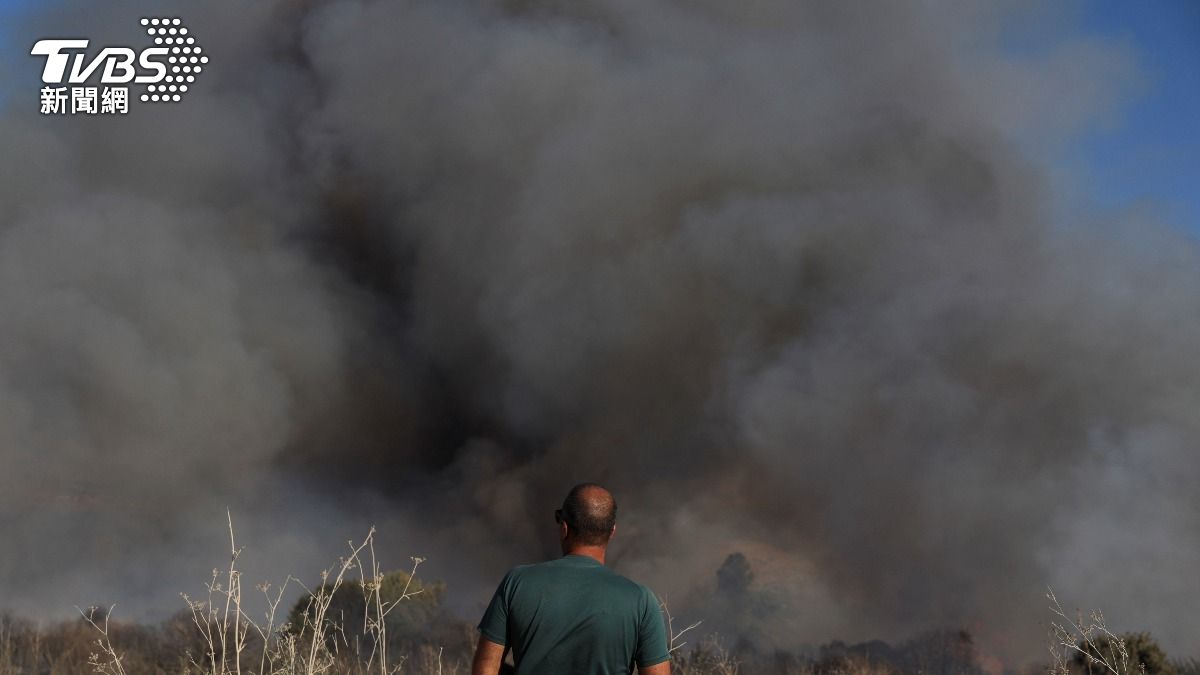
x: 594, y: 552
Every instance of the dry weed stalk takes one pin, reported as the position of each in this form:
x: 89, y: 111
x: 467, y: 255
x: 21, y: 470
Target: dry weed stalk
x: 107, y: 660
x: 376, y: 610
x: 220, y: 620
x: 267, y: 634
x: 1088, y: 639
x: 708, y: 658
x: 675, y: 642
x: 430, y: 661
x: 312, y: 648
x: 7, y: 645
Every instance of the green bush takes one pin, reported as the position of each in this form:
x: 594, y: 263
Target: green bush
x: 1143, y: 650
x: 407, y: 623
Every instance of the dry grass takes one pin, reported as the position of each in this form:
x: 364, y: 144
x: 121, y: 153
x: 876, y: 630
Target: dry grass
x: 216, y: 635
x: 1087, y: 639
x: 707, y: 658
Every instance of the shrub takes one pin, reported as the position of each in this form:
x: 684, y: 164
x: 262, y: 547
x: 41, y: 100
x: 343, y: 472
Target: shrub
x: 1143, y: 650
x: 417, y: 607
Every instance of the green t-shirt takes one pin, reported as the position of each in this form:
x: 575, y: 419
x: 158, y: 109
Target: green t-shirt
x: 574, y: 616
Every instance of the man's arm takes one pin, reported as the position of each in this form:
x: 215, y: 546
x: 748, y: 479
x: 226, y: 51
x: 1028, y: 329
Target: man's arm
x: 663, y: 668
x: 653, y: 645
x: 489, y: 655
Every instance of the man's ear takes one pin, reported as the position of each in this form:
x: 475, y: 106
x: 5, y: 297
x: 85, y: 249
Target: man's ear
x: 562, y: 530
x: 613, y: 533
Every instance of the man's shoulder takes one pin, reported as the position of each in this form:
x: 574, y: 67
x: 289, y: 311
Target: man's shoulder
x: 569, y: 564
x: 644, y: 591
x: 529, y: 568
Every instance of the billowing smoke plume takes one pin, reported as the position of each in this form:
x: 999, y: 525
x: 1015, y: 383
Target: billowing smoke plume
x: 778, y: 272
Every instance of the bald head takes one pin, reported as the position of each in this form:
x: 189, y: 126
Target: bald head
x: 590, y: 512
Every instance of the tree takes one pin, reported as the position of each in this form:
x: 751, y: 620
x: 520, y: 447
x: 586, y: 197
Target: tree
x: 734, y: 576
x: 941, y: 652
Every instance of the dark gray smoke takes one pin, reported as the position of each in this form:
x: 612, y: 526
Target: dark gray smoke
x: 784, y: 275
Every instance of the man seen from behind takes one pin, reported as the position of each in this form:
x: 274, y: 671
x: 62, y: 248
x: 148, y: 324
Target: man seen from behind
x: 573, y: 615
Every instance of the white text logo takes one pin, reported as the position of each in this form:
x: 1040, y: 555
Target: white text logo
x: 167, y: 69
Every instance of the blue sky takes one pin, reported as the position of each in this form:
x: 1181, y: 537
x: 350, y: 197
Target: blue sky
x: 1152, y: 156
x: 1149, y: 159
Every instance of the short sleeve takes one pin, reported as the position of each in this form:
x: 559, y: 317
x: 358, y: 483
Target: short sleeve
x: 652, y: 633
x: 494, y: 625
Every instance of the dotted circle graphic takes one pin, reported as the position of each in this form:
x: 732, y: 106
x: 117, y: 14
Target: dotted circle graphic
x: 186, y: 58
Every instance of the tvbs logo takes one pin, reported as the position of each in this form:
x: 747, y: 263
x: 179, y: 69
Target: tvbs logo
x: 167, y: 69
